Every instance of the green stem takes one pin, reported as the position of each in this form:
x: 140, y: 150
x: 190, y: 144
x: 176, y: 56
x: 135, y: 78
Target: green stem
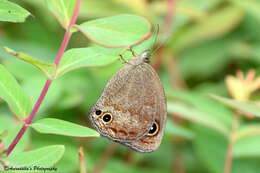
x: 229, y: 158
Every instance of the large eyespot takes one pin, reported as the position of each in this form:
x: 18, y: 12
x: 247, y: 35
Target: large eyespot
x: 153, y: 129
x: 98, y: 112
x: 107, y: 117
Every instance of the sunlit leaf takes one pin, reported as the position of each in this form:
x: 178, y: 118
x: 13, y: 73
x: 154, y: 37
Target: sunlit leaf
x: 87, y: 57
x: 12, y: 12
x: 61, y: 127
x: 116, y: 31
x: 250, y: 6
x: 247, y: 107
x: 62, y: 10
x: 46, y: 68
x: 43, y: 157
x: 11, y: 92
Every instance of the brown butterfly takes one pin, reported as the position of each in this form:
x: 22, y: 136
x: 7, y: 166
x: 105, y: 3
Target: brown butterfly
x: 132, y: 107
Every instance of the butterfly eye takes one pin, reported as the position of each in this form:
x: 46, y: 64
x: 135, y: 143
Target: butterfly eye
x: 107, y: 117
x: 98, y: 112
x: 153, y: 129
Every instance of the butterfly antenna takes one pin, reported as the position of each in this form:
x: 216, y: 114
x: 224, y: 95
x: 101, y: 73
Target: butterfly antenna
x: 155, y: 40
x: 156, y: 32
x: 164, y: 40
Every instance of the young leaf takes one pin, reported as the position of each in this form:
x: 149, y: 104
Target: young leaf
x: 196, y: 116
x: 43, y: 157
x: 11, y: 92
x: 61, y: 127
x: 11, y: 12
x: 62, y: 10
x: 116, y: 31
x: 87, y: 57
x: 247, y: 107
x: 250, y: 6
x: 47, y: 69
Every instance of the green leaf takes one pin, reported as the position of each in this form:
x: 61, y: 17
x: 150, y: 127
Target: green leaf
x: 177, y: 130
x: 247, y: 107
x: 216, y: 111
x: 213, y: 63
x: 245, y: 165
x: 250, y: 6
x: 61, y: 127
x: 87, y: 57
x: 206, y: 143
x: 62, y: 10
x: 11, y: 92
x: 46, y: 68
x: 116, y: 31
x: 5, y: 122
x: 211, y: 27
x: 43, y: 157
x: 11, y: 133
x: 247, y: 147
x: 196, y: 116
x: 247, y: 130
x: 11, y: 12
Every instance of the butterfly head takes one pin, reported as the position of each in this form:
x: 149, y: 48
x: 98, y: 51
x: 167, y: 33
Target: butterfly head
x: 142, y: 58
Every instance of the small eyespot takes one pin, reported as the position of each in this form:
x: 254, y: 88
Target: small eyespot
x: 107, y: 117
x: 153, y: 129
x: 147, y: 59
x: 98, y: 112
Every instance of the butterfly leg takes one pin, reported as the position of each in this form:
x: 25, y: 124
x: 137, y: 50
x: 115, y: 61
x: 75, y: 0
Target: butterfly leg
x: 123, y: 59
x: 132, y: 51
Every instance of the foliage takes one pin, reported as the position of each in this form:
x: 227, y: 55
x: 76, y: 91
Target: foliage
x: 207, y: 57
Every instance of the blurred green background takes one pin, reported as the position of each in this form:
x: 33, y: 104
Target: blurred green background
x: 204, y: 41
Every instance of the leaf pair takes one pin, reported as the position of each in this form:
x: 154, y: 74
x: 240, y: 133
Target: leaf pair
x: 116, y: 31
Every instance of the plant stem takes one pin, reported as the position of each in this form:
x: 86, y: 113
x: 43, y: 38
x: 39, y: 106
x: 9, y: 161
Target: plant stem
x: 45, y: 89
x: 168, y: 19
x: 229, y: 158
x: 167, y: 26
x: 110, y: 150
x: 82, y: 164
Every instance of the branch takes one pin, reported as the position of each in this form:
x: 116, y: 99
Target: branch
x: 48, y: 83
x: 167, y: 26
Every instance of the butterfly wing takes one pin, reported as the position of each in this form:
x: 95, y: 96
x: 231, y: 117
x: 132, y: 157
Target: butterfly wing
x: 131, y: 97
x: 151, y: 142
